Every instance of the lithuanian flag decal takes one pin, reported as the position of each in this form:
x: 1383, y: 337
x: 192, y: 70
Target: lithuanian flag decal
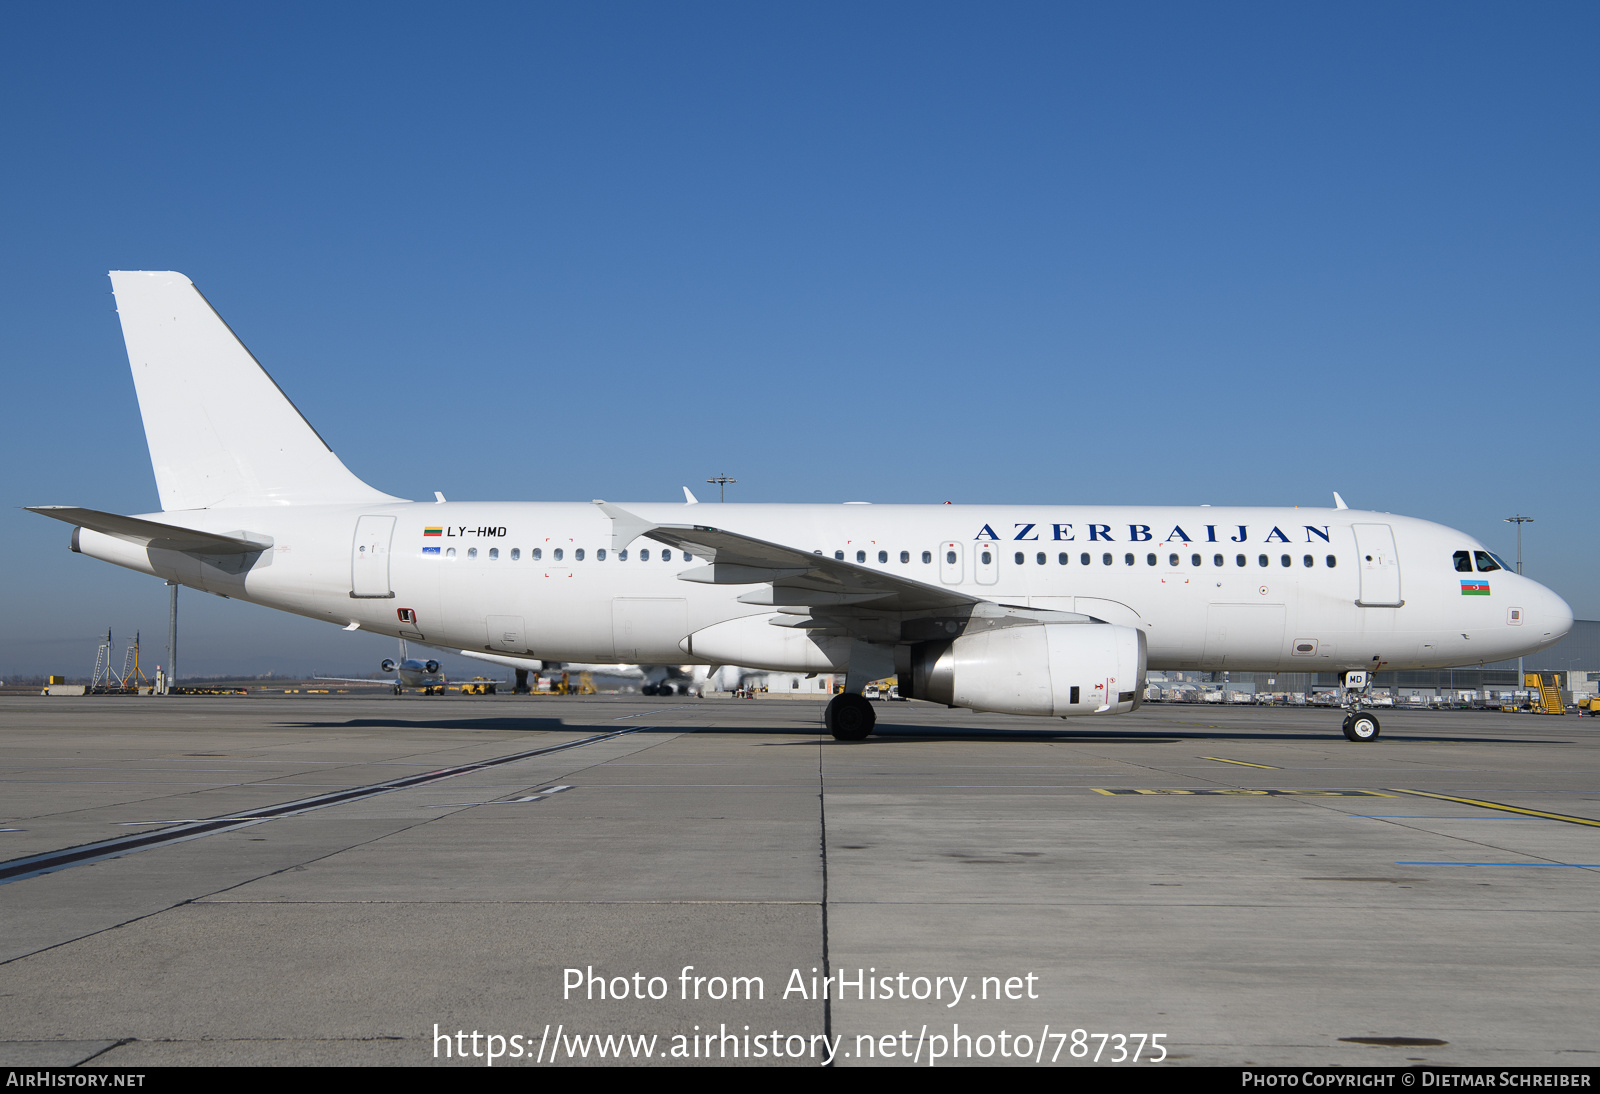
x: 1474, y: 588
x: 439, y: 531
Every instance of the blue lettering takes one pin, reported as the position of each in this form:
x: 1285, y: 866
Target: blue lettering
x: 1060, y: 528
x: 1323, y: 532
x: 1241, y: 537
x: 1026, y: 528
x: 1177, y: 534
x: 1281, y: 537
x: 1099, y: 531
x: 1138, y: 532
x: 986, y: 531
x: 1211, y: 533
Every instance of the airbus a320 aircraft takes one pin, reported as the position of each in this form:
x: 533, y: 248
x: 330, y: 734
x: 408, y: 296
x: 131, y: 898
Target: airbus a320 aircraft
x: 1023, y: 609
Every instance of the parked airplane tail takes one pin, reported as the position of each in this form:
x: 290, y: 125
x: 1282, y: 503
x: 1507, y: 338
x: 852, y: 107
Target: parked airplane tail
x: 221, y: 432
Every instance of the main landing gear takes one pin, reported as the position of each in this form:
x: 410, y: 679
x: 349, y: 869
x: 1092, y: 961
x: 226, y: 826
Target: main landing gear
x: 1355, y: 689
x: 849, y: 717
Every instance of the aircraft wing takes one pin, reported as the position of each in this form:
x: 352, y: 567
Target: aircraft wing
x: 815, y: 592
x: 794, y: 577
x: 150, y: 533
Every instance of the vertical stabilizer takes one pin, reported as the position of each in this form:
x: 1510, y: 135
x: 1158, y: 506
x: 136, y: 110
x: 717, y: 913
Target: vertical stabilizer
x: 221, y: 432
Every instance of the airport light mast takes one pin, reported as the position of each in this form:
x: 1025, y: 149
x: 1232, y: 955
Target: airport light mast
x: 721, y: 483
x: 1519, y: 520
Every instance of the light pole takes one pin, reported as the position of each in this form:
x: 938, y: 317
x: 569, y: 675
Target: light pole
x: 721, y: 483
x: 1519, y: 520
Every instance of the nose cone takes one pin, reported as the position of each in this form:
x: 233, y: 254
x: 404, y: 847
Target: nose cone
x: 1555, y: 615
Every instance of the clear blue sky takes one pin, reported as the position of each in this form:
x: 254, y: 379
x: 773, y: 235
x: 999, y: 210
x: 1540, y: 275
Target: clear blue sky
x: 899, y: 252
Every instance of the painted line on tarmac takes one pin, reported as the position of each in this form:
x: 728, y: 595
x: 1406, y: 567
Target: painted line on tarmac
x: 1241, y: 763
x: 1562, y: 865
x: 1502, y: 807
x: 1237, y: 792
x: 33, y: 865
x: 536, y: 796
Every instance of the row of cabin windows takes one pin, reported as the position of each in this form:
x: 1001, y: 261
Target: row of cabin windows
x: 558, y: 554
x: 1487, y: 563
x: 1174, y: 560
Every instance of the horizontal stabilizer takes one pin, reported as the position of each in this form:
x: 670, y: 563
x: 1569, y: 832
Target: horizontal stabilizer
x: 149, y: 533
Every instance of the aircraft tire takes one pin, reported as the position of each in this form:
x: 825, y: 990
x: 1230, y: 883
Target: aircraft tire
x: 849, y: 717
x: 1361, y: 727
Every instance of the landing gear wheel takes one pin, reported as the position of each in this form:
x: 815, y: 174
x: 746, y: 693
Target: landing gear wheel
x: 648, y: 689
x: 1361, y: 727
x: 849, y: 717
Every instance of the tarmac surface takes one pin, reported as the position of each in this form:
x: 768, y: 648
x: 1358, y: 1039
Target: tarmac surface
x: 1242, y: 881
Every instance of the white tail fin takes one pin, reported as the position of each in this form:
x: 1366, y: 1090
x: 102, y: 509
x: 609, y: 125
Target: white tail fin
x: 221, y: 432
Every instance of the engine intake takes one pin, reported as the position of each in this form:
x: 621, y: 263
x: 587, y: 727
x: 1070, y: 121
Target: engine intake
x: 1061, y: 669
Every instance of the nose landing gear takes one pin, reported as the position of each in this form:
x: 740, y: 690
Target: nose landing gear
x: 1355, y: 690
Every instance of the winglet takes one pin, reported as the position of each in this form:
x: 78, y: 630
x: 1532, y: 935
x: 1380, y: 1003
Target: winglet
x: 688, y: 498
x: 625, y: 526
x: 1338, y: 502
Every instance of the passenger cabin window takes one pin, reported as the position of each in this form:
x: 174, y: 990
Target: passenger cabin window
x: 1264, y: 561
x: 1286, y: 560
x: 472, y: 552
x: 1463, y: 562
x: 1194, y: 560
x: 1062, y: 558
x: 557, y: 554
x: 839, y: 555
x: 1040, y: 558
x: 1485, y: 563
x: 622, y: 555
x: 644, y: 554
x: 536, y: 554
x: 578, y: 554
x: 1084, y: 558
x: 494, y: 554
x: 1239, y: 560
x: 861, y: 556
x: 600, y: 555
x: 950, y: 558
x: 516, y: 553
x: 1217, y: 560
x: 883, y: 556
x: 1332, y: 562
x: 927, y: 557
x: 905, y: 557
x: 1310, y: 562
x: 1150, y: 559
x: 1020, y: 558
x: 1127, y: 559
x: 1105, y: 560
x: 449, y: 552
x: 986, y: 557
x: 1172, y: 560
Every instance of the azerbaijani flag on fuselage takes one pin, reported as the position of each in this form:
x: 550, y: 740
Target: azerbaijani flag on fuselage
x: 439, y: 531
x: 1471, y: 587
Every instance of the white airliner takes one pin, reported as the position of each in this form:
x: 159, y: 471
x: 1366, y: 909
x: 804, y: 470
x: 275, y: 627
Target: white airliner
x: 1025, y: 609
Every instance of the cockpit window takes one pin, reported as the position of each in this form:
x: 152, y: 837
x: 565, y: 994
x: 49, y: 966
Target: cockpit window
x: 1464, y: 562
x: 1486, y: 563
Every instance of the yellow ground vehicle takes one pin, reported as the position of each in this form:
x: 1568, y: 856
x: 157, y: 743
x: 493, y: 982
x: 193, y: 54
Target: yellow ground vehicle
x: 1546, y: 689
x: 478, y: 686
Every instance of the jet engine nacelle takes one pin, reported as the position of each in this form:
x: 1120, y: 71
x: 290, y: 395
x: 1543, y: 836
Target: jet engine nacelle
x: 387, y: 665
x: 1051, y: 669
x: 431, y: 668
